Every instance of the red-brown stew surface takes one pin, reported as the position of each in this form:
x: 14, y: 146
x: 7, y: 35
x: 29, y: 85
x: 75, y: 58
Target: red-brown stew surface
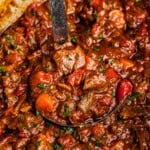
x: 105, y: 61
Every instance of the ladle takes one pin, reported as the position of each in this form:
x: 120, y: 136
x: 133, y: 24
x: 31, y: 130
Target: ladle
x: 60, y: 32
x: 59, y: 21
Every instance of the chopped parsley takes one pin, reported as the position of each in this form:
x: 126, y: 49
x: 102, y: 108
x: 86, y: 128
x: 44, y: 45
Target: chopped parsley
x: 57, y: 146
x: 9, y: 37
x: 67, y: 129
x: 97, y: 143
x: 12, y: 46
x: 38, y: 143
x: 110, y: 61
x: 135, y: 95
x: 113, y: 94
x: 66, y: 110
x: 38, y: 113
x: 1, y: 69
x: 42, y: 86
x: 25, y: 126
x: 139, y: 110
x: 74, y: 39
x: 95, y: 48
x: 102, y: 36
x: 34, y: 124
x: 8, y: 52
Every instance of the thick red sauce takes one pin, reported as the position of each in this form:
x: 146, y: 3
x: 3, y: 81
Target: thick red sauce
x: 105, y: 61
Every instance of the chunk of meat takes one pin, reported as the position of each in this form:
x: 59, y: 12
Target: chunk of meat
x: 46, y: 103
x: 91, y: 64
x: 135, y: 16
x: 67, y: 60
x: 97, y: 4
x: 118, y: 146
x: 76, y: 77
x: 111, y: 73
x: 86, y: 102
x: 85, y: 134
x: 39, y: 142
x: 117, y: 18
x: 14, y: 58
x: 98, y: 130
x: 67, y: 141
x: 94, y: 81
x: 127, y: 63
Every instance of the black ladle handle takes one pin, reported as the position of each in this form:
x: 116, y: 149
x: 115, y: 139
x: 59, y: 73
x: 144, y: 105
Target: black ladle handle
x: 59, y: 21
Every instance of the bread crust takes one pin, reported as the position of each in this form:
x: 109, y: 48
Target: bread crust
x: 11, y: 10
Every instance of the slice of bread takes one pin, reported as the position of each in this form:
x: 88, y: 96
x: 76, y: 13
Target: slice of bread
x: 11, y: 10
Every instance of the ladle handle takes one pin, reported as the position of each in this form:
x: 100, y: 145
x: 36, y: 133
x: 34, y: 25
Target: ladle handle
x: 59, y: 21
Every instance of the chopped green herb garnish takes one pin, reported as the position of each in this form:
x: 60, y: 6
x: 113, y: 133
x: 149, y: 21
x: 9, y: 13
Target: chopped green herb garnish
x: 67, y: 129
x: 9, y: 37
x: 113, y: 94
x: 38, y: 143
x: 9, y: 52
x: 12, y: 46
x: 139, y: 110
x: 7, y: 73
x: 97, y: 143
x: 21, y: 52
x: 34, y: 124
x: 103, y: 36
x: 87, y: 31
x: 25, y: 126
x: 1, y: 69
x: 95, y: 48
x: 148, y: 116
x: 33, y: 13
x: 110, y: 61
x: 38, y: 113
x: 103, y: 136
x: 74, y: 39
x: 56, y: 135
x: 135, y: 95
x: 42, y: 86
x: 57, y: 146
x: 1, y: 45
x: 66, y: 110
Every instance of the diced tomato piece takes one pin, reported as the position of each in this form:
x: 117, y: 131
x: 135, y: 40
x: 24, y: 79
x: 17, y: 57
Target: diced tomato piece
x: 14, y: 58
x: 98, y: 130
x: 76, y: 77
x: 67, y: 140
x: 97, y: 4
x: 126, y: 63
x: 111, y: 73
x: 124, y: 89
x: 43, y: 77
x: 45, y: 103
